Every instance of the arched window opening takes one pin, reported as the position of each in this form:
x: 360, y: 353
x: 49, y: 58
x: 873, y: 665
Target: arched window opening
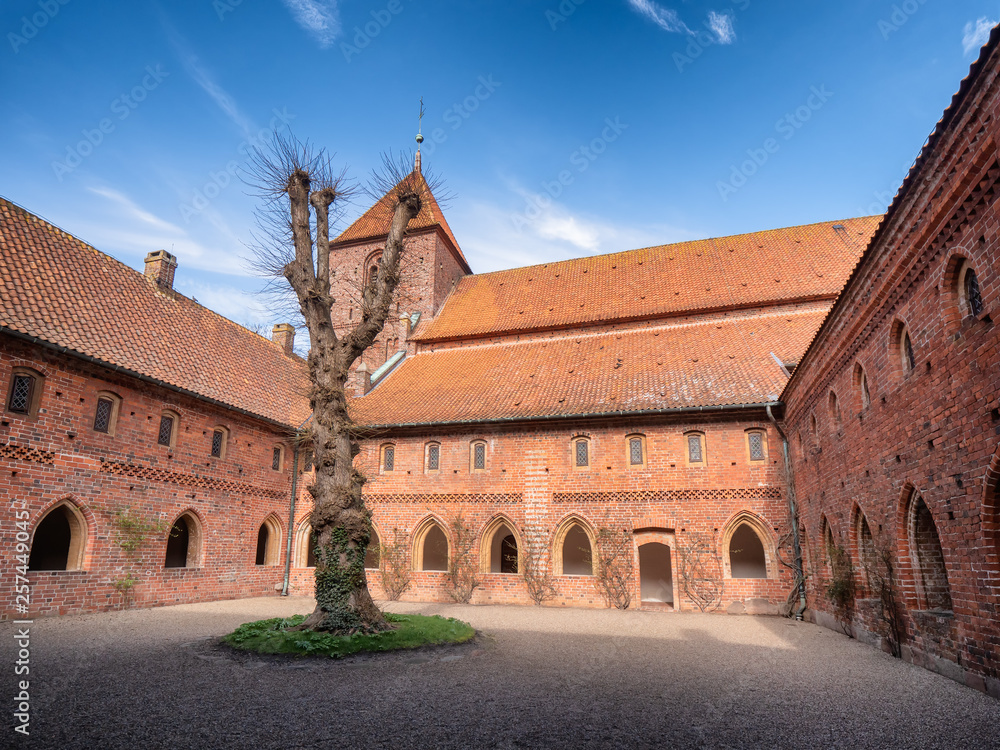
x: 867, y: 555
x: 928, y: 557
x: 277, y: 458
x: 636, y: 451
x: 861, y: 383
x: 756, y: 446
x: 503, y: 550
x: 58, y: 541
x: 746, y: 554
x: 695, y: 444
x: 305, y: 546
x: 478, y: 456
x: 432, y: 458
x: 577, y: 553
x: 268, y: 543
x: 25, y: 393
x: 220, y: 437
x: 581, y: 452
x: 656, y: 582
x: 388, y: 459
x: 434, y: 549
x: 834, y: 408
x: 373, y: 555
x: 167, y: 432
x: 106, y: 413
x: 969, y: 294
x: 180, y: 549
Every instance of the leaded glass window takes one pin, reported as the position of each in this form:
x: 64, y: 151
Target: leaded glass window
x: 433, y: 457
x: 972, y: 294
x: 694, y: 449
x: 20, y: 394
x: 479, y: 456
x: 166, y: 430
x: 217, y: 439
x: 582, y: 453
x: 635, y: 451
x: 102, y: 417
x: 756, y: 446
x: 389, y: 458
x: 276, y: 458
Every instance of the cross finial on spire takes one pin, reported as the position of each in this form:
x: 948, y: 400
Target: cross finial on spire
x: 420, y: 137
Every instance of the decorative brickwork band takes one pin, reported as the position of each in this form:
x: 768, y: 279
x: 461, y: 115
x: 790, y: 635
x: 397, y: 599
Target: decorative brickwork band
x: 436, y: 499
x: 640, y: 496
x: 20, y: 453
x: 188, y: 480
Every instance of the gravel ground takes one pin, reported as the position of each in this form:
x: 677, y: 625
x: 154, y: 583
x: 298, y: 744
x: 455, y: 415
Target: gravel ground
x: 535, y: 677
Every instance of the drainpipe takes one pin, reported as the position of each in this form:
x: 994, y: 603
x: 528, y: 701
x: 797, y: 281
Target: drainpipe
x: 793, y: 512
x: 291, y: 517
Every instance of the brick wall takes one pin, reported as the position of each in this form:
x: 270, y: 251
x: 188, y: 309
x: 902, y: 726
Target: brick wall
x: 57, y: 456
x: 921, y: 457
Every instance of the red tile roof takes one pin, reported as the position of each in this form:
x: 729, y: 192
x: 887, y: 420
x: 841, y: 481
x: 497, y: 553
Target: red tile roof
x: 684, y: 364
x: 781, y: 264
x: 376, y: 220
x: 61, y: 290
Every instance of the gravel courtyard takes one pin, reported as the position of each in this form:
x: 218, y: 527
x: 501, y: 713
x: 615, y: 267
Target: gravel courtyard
x: 533, y: 678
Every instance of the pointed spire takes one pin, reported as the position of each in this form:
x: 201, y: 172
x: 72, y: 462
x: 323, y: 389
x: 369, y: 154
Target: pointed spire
x: 420, y: 137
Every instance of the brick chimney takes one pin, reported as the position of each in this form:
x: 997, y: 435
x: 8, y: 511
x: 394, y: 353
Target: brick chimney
x: 363, y: 380
x: 160, y: 267
x: 283, y: 335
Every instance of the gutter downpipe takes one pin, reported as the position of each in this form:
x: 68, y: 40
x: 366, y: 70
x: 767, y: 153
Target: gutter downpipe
x: 291, y: 519
x: 793, y: 512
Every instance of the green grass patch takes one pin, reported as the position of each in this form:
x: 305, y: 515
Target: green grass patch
x: 411, y: 631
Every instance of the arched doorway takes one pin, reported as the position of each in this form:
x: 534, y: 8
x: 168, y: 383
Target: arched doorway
x: 746, y: 554
x: 577, y: 553
x: 58, y: 540
x: 178, y: 541
x: 656, y: 577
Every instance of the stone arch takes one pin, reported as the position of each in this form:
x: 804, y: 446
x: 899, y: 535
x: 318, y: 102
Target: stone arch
x: 59, y: 538
x: 305, y: 550
x: 862, y: 542
x: 431, y: 546
x: 956, y: 307
x: 573, y: 547
x: 268, y: 550
x: 370, y: 266
x: 183, y: 542
x: 500, y: 546
x: 924, y: 553
x: 901, y: 363
x: 742, y: 534
x: 862, y: 387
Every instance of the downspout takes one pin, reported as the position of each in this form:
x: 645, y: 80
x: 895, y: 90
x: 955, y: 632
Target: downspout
x: 793, y: 512
x: 291, y: 518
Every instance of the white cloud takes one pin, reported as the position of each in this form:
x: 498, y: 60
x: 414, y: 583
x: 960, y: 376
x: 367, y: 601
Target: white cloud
x: 976, y: 33
x: 722, y: 25
x: 321, y: 18
x: 133, y: 210
x: 666, y: 19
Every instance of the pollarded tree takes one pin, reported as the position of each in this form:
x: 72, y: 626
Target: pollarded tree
x: 302, y: 195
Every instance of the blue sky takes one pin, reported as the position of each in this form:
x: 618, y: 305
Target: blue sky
x: 560, y: 128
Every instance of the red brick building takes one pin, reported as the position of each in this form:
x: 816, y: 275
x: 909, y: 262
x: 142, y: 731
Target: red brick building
x: 149, y: 446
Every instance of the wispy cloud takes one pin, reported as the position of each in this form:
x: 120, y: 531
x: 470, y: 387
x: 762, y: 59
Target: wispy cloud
x: 665, y: 18
x: 321, y: 18
x: 976, y: 33
x: 133, y: 210
x: 721, y: 25
x: 204, y: 79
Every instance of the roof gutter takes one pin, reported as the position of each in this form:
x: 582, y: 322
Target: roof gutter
x: 676, y: 411
x: 139, y: 376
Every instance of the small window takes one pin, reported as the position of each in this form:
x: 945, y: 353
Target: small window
x: 102, y: 415
x: 167, y: 434
x: 695, y: 448
x: 479, y: 456
x: 25, y: 392
x: 581, y: 453
x: 835, y: 408
x: 388, y: 459
x: 864, y: 394
x: 756, y: 445
x: 433, y: 457
x: 972, y: 298
x: 277, y: 456
x: 906, y: 353
x: 219, y: 435
x: 636, y: 451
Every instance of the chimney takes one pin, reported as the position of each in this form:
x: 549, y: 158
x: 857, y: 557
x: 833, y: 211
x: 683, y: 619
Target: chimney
x: 160, y: 267
x: 283, y: 335
x: 404, y: 321
x: 364, y: 380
